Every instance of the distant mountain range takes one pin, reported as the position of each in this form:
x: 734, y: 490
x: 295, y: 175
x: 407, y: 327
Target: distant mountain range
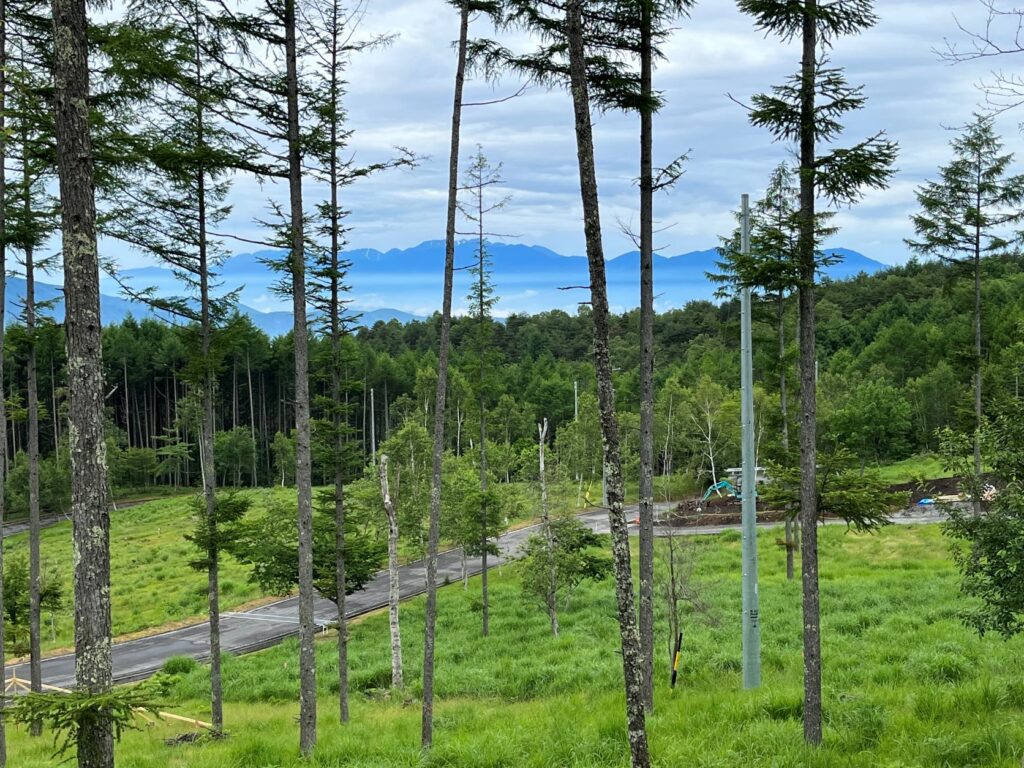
x: 405, y: 284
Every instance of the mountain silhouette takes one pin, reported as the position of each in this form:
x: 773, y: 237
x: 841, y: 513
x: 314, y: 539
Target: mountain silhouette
x: 405, y: 284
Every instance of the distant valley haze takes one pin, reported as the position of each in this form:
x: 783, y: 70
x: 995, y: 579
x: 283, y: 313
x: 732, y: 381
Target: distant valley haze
x: 406, y: 284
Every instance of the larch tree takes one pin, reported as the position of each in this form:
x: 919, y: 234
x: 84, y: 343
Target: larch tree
x: 332, y: 43
x: 654, y: 17
x: 770, y: 268
x: 441, y: 390
x: 631, y: 654
x: 300, y: 341
x: 582, y: 46
x: 480, y: 177
x: 3, y: 328
x: 971, y: 212
x: 179, y: 195
x: 807, y: 111
x: 30, y: 221
x: 91, y: 519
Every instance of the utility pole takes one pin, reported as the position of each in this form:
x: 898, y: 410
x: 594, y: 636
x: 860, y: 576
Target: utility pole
x: 576, y: 400
x: 373, y: 431
x: 751, y: 617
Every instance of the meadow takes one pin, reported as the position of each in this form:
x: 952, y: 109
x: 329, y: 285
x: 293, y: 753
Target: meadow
x: 906, y: 684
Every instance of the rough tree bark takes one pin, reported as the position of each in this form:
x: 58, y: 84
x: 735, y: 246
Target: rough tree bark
x: 32, y: 401
x: 91, y: 526
x: 430, y: 620
x: 303, y: 465
x: 784, y: 413
x: 3, y: 320
x: 977, y: 347
x: 206, y: 432
x: 646, y: 359
x: 336, y: 331
x: 808, y: 385
x: 631, y: 656
x: 394, y: 596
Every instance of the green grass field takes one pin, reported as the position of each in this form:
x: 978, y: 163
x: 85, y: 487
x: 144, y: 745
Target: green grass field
x: 906, y: 685
x: 151, y: 582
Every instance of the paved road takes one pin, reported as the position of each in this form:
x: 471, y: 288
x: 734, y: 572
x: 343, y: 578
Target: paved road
x: 266, y: 626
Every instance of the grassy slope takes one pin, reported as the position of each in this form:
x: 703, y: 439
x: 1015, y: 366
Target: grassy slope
x: 906, y: 684
x: 910, y: 470
x: 151, y: 582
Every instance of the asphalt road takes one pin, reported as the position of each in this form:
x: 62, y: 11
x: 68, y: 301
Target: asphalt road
x: 268, y: 625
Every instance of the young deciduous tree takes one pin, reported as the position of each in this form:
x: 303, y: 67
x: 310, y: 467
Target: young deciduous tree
x: 394, y: 594
x: 989, y: 549
x: 807, y: 112
x: 969, y: 213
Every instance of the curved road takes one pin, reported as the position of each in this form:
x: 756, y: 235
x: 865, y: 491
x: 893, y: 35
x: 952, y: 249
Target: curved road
x: 247, y: 631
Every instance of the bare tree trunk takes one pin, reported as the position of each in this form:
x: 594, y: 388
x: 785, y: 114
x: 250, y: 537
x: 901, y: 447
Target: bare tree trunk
x: 808, y: 385
x: 208, y: 426
x: 549, y: 538
x: 394, y: 596
x: 252, y: 422
x: 784, y: 412
x: 35, y: 588
x: 631, y: 656
x: 3, y: 320
x: 91, y: 534
x: 646, y: 509
x: 977, y: 367
x: 303, y: 466
x: 336, y: 331
x: 430, y: 620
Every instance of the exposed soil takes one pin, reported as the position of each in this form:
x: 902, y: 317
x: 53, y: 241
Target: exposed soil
x: 726, y: 510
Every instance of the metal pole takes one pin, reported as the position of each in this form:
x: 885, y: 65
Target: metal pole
x: 751, y: 618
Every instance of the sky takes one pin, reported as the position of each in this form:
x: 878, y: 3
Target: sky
x: 403, y: 95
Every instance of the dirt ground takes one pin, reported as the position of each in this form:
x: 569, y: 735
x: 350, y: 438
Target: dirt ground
x: 726, y: 510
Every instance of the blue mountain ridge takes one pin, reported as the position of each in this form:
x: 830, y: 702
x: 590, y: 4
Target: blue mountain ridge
x: 405, y: 284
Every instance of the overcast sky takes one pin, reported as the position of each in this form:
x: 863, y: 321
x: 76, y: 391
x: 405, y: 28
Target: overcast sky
x: 402, y: 96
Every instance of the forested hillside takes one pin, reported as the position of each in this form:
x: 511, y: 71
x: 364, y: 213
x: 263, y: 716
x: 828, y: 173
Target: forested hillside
x: 895, y: 364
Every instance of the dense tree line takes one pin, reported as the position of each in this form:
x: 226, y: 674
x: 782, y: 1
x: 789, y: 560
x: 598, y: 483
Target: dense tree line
x: 890, y: 376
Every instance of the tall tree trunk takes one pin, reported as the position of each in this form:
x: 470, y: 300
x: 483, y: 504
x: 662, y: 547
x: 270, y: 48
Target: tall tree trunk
x: 3, y: 320
x: 977, y: 360
x: 252, y: 422
x: 208, y: 426
x: 303, y: 466
x: 127, y: 403
x: 430, y: 619
x: 483, y: 518
x: 394, y: 596
x: 808, y: 385
x: 35, y: 589
x: 549, y: 537
x: 784, y: 413
x: 91, y: 528
x: 631, y: 656
x: 646, y: 359
x: 481, y: 352
x: 336, y: 414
